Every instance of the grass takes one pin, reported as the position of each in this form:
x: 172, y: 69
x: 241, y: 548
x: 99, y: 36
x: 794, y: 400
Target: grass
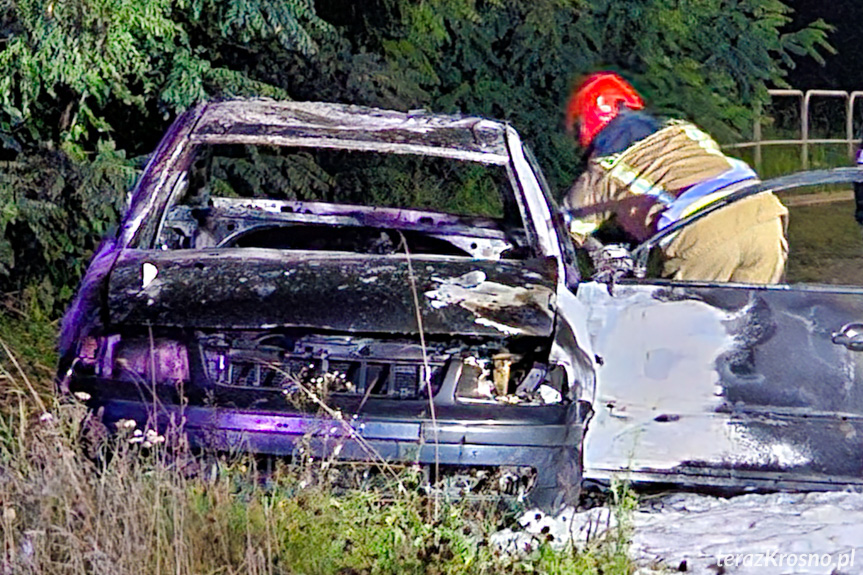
x: 75, y: 501
x: 825, y: 245
x: 785, y: 159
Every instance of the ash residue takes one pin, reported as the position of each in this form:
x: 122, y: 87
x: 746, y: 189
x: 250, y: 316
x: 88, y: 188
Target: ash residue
x: 800, y: 533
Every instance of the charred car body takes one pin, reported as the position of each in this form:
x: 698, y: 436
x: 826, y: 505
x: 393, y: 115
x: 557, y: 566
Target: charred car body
x: 272, y: 252
x: 401, y: 286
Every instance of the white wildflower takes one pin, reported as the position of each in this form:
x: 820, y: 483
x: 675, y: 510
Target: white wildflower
x: 137, y: 436
x: 126, y: 424
x: 153, y: 437
x: 147, y: 439
x: 82, y: 395
x: 46, y: 417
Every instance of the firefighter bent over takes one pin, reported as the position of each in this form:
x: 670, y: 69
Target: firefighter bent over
x: 645, y: 175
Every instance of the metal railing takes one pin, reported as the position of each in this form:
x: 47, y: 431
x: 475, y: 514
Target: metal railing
x: 805, y: 141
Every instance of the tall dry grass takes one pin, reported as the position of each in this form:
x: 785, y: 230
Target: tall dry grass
x: 76, y: 500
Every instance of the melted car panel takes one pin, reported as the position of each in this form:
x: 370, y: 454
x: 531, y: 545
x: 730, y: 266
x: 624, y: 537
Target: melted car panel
x: 247, y: 288
x: 725, y: 385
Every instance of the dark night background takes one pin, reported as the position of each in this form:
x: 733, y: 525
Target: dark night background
x: 843, y: 70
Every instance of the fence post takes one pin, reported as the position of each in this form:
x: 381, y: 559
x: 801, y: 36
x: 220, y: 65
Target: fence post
x: 804, y: 132
x: 805, y: 129
x: 849, y: 123
x: 804, y: 123
x: 804, y: 141
x: 756, y: 136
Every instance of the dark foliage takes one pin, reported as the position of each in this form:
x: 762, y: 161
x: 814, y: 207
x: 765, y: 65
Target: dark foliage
x: 86, y: 83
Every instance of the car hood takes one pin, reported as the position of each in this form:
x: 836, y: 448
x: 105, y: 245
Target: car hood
x: 262, y: 289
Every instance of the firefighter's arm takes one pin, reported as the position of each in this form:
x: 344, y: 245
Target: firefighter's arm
x: 586, y: 210
x: 582, y: 209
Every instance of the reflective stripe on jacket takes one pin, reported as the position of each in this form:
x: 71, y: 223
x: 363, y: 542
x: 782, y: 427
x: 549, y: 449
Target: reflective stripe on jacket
x: 705, y: 193
x: 638, y: 184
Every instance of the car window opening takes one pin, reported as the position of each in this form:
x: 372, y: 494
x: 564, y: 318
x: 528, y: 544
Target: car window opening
x: 291, y: 198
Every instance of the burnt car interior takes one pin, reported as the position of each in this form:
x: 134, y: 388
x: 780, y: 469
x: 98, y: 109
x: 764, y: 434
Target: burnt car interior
x: 283, y: 262
x: 317, y: 199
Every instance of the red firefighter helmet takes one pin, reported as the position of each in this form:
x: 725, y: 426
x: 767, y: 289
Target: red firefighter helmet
x: 596, y: 101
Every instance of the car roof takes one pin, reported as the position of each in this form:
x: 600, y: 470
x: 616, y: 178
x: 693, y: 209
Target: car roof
x: 340, y: 126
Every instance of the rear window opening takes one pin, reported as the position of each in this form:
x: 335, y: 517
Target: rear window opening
x: 292, y: 198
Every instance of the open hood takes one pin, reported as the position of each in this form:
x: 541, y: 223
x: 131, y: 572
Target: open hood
x: 263, y: 289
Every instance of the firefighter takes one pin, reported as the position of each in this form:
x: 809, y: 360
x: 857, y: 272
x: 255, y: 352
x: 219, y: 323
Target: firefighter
x: 644, y: 174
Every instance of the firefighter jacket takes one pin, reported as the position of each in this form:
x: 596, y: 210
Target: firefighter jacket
x: 660, y: 178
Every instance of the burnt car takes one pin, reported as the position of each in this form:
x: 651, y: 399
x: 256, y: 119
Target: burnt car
x: 377, y: 285
x: 373, y: 284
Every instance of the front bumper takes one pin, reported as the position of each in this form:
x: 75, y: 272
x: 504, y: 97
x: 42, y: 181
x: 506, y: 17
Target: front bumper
x: 546, y: 439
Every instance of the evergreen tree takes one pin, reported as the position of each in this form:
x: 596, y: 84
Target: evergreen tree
x: 88, y: 85
x: 707, y: 60
x: 84, y: 81
x: 67, y: 68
